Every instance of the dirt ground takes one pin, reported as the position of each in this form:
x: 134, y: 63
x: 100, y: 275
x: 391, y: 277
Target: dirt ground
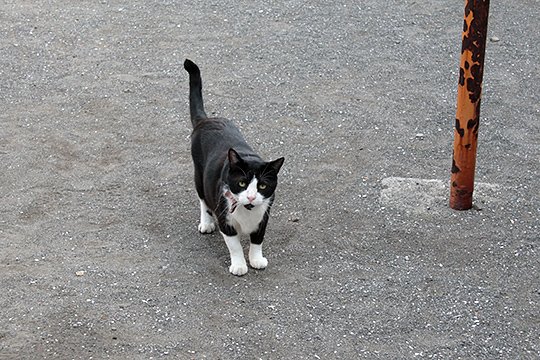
x: 100, y: 257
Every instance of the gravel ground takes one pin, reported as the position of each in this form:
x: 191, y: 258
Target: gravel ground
x: 100, y: 255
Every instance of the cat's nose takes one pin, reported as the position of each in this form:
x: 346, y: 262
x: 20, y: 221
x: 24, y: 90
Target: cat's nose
x: 251, y: 198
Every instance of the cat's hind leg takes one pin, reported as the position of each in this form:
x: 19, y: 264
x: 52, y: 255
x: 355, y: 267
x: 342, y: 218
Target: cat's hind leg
x: 207, y: 224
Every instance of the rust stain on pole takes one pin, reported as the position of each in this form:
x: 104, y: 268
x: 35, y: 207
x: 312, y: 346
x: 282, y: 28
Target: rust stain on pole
x: 471, y: 71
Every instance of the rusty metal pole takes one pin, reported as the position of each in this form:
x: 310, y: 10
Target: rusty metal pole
x: 471, y: 71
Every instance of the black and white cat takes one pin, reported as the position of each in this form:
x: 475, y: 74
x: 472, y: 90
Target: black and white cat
x: 233, y: 183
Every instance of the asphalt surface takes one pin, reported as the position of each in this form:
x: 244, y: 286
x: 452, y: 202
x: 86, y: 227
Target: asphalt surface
x: 100, y: 255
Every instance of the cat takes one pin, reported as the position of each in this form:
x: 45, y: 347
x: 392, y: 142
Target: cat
x: 233, y: 183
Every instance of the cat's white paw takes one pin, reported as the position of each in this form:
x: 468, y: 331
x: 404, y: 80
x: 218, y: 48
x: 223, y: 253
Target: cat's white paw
x: 238, y: 262
x: 238, y: 269
x: 256, y: 258
x: 258, y: 262
x: 207, y: 228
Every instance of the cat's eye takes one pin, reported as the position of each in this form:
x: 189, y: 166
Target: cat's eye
x: 262, y: 186
x: 242, y: 184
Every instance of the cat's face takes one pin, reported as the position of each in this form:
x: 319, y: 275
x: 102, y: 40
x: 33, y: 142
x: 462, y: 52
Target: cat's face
x: 252, y: 182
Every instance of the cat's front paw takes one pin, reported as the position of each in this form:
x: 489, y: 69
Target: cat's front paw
x: 238, y: 269
x: 207, y: 228
x: 258, y: 262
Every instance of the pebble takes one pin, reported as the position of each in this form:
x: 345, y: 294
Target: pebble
x: 420, y: 136
x: 80, y: 273
x: 494, y: 39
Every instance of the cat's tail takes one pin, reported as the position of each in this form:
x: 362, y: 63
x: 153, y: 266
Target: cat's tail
x: 196, y: 105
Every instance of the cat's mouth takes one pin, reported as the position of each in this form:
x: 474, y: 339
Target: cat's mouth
x: 249, y: 206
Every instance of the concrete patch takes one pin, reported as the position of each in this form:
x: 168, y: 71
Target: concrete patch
x: 421, y: 195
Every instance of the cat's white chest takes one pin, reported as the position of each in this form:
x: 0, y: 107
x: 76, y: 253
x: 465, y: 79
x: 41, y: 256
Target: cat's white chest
x: 247, y: 221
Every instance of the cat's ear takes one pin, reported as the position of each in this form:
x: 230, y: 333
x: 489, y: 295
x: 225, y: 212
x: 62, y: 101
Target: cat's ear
x: 234, y: 158
x: 276, y: 164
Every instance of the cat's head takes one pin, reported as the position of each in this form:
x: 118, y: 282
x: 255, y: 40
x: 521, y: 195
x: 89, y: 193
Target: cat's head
x: 252, y: 181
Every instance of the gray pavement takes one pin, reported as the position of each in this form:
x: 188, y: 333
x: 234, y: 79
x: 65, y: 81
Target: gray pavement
x: 99, y: 251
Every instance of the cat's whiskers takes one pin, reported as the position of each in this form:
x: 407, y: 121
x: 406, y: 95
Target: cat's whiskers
x: 267, y: 211
x: 264, y: 171
x: 223, y: 212
x: 226, y: 209
x: 246, y: 175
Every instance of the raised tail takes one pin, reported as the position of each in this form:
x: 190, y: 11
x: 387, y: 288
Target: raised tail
x: 196, y: 105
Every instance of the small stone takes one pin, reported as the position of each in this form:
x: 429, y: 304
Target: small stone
x: 494, y: 39
x: 80, y: 273
x: 420, y: 136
